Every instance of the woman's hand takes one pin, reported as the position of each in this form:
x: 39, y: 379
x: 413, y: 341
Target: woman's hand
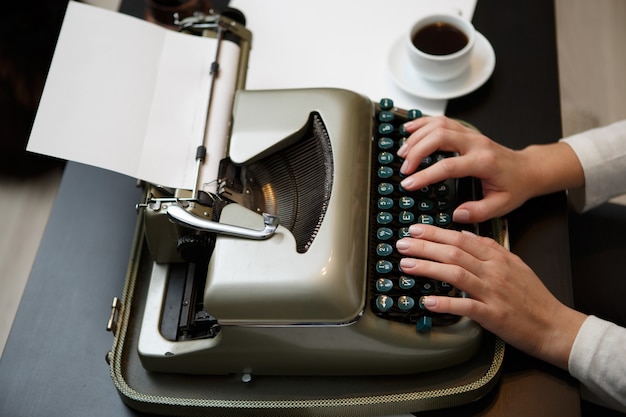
x: 505, y: 295
x: 508, y: 177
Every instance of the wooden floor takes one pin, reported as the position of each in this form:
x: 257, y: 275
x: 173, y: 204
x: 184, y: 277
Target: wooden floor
x: 592, y: 63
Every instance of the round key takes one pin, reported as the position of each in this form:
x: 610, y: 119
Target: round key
x: 385, y: 143
x: 425, y: 205
x: 427, y: 287
x: 385, y: 116
x: 385, y: 158
x: 384, y: 249
x: 406, y: 303
x: 402, y: 131
x: 443, y: 219
x: 384, y: 217
x: 425, y: 219
x: 385, y: 172
x: 406, y: 202
x: 406, y: 283
x: 384, y: 188
x: 403, y: 232
x: 384, y: 233
x: 424, y: 190
x: 443, y: 205
x: 385, y: 128
x: 386, y: 103
x: 442, y: 189
x: 444, y: 287
x: 384, y: 267
x: 384, y: 285
x: 413, y: 114
x: 406, y: 217
x: 384, y: 303
x: 385, y: 203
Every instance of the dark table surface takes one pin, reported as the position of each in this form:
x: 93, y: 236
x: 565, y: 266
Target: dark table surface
x: 54, y: 360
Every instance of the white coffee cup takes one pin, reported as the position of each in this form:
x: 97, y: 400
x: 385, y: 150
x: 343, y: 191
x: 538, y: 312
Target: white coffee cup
x: 441, y: 53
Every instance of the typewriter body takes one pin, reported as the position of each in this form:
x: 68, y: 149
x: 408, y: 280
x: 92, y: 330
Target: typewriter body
x: 274, y: 264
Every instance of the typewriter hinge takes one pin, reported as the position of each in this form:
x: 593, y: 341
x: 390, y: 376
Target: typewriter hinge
x: 112, y: 322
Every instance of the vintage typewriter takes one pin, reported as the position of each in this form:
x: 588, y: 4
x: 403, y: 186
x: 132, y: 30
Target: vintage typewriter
x: 281, y: 260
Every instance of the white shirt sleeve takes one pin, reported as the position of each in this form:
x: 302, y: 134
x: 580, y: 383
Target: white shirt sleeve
x: 602, y: 153
x: 598, y: 356
x: 598, y: 361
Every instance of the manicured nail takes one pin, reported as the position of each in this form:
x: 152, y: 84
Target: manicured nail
x: 416, y: 230
x: 404, y: 165
x: 407, y: 263
x: 429, y: 301
x: 402, y: 244
x: 402, y: 150
x: 461, y: 216
x: 467, y: 232
x: 409, y: 124
x: 407, y: 182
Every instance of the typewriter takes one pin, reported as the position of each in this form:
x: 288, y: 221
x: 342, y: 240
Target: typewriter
x: 281, y: 260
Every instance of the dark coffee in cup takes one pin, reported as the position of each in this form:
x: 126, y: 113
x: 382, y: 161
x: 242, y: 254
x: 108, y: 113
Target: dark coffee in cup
x: 440, y: 45
x: 439, y: 38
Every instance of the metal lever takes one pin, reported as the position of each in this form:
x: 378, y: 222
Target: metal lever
x: 181, y: 216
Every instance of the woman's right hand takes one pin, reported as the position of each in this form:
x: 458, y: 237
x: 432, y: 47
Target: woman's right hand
x: 505, y: 296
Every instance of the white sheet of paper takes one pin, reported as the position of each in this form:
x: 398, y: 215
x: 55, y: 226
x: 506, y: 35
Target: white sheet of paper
x: 335, y: 43
x: 130, y: 96
x: 125, y: 95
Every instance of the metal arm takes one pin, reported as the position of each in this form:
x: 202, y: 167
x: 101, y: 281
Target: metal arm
x: 181, y: 216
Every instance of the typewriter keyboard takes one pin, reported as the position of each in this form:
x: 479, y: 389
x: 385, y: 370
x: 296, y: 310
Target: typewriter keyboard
x: 395, y: 295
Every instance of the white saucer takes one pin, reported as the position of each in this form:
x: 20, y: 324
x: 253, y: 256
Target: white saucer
x: 481, y: 67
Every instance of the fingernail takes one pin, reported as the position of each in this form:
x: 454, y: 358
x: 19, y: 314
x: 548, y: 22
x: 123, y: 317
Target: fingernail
x: 402, y: 244
x: 416, y: 229
x: 409, y: 124
x: 407, y: 182
x: 467, y: 232
x: 407, y: 263
x: 429, y: 301
x: 404, y: 165
x: 402, y: 150
x: 461, y: 216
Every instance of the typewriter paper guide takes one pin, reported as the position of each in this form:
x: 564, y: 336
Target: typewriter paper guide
x: 129, y: 96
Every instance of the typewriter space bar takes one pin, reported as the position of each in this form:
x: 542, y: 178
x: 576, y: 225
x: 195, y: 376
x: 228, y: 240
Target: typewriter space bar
x: 187, y: 219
